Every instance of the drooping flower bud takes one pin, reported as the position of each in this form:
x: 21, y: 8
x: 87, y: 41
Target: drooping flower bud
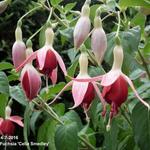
x: 82, y: 27
x: 18, y: 49
x: 98, y: 39
x: 3, y: 5
x: 30, y: 79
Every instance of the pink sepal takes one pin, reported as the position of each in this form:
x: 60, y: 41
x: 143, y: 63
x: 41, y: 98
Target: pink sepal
x: 92, y: 79
x: 60, y: 61
x: 99, y: 94
x: 110, y: 77
x: 28, y: 60
x: 41, y: 56
x: 1, y: 120
x: 17, y: 120
x: 134, y: 90
x: 53, y: 76
x: 78, y: 91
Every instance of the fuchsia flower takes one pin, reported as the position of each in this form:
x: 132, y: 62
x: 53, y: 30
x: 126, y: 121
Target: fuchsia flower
x: 113, y: 77
x: 7, y: 125
x: 98, y: 39
x: 82, y: 28
x: 18, y: 49
x: 47, y: 58
x: 30, y: 79
x: 83, y: 92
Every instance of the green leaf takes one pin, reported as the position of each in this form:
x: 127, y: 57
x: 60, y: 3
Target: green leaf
x: 139, y: 20
x: 52, y: 91
x: 27, y: 115
x: 67, y: 137
x: 69, y: 6
x: 60, y: 109
x: 17, y: 94
x: 141, y: 126
x: 55, y: 2
x: 5, y: 65
x: 34, y: 118
x: 125, y: 3
x: 3, y: 103
x: 4, y: 84
x: 46, y: 133
x: 96, y: 71
x: 72, y: 116
x: 68, y: 33
x: 111, y: 137
x: 42, y: 37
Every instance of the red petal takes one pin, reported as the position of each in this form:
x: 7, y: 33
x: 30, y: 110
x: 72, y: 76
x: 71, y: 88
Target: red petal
x: 7, y: 127
x: 116, y: 93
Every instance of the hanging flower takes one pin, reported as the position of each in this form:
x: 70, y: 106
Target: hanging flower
x: 30, y: 79
x: 47, y: 58
x: 115, y: 73
x: 7, y: 125
x: 83, y: 25
x: 83, y: 92
x: 18, y: 49
x: 98, y: 39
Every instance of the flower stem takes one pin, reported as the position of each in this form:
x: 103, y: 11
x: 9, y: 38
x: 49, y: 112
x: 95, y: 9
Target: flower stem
x: 119, y: 23
x: 144, y: 63
x: 29, y: 13
x: 87, y: 143
x: 31, y: 37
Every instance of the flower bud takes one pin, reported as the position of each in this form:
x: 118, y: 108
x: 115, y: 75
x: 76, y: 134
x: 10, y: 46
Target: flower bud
x: 30, y: 81
x: 82, y: 27
x: 98, y: 40
x: 18, y: 49
x: 3, y: 5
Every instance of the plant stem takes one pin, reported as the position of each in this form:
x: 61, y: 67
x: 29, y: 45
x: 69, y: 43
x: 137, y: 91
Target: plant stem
x: 29, y: 13
x: 55, y: 15
x: 144, y: 63
x: 36, y: 33
x: 87, y: 143
x: 50, y: 109
x: 56, y: 117
x: 119, y: 23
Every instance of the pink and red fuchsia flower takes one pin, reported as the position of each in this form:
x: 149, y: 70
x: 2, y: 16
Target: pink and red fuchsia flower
x: 83, y: 92
x: 47, y: 58
x: 8, y: 125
